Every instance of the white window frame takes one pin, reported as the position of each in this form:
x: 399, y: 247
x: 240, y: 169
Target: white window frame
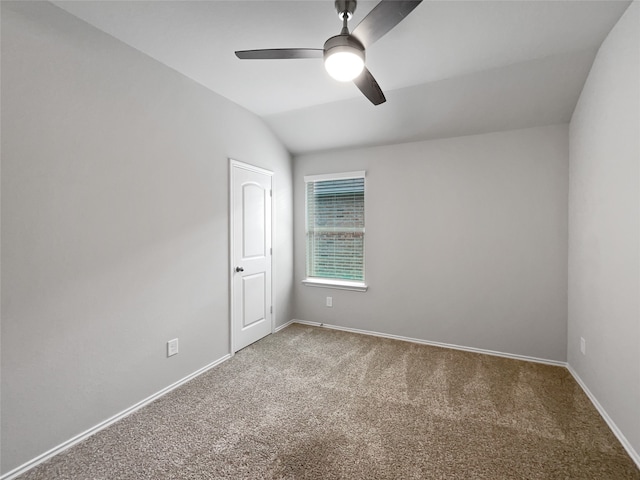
x: 359, y: 286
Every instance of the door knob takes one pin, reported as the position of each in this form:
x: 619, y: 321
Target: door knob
x: 239, y: 269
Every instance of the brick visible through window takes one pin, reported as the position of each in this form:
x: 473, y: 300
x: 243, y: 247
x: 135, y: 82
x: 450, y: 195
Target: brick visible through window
x: 335, y: 227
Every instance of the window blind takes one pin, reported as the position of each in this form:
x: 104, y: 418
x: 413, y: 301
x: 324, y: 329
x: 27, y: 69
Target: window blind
x: 335, y: 228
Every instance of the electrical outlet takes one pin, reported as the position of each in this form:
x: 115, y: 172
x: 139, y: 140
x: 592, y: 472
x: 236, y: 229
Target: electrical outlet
x: 329, y: 301
x: 583, y: 346
x: 172, y: 347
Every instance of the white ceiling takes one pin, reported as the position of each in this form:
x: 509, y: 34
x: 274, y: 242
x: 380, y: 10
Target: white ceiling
x: 450, y: 68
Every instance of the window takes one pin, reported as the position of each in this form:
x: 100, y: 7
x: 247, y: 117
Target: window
x: 335, y: 230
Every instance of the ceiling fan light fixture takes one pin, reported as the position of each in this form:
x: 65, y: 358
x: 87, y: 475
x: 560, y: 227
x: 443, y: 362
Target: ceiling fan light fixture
x: 343, y: 57
x: 344, y: 63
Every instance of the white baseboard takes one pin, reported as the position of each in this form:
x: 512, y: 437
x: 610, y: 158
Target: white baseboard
x: 95, y: 429
x: 86, y: 434
x: 612, y: 425
x: 435, y: 344
x: 281, y: 327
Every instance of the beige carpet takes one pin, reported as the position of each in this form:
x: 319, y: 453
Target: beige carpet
x: 314, y: 403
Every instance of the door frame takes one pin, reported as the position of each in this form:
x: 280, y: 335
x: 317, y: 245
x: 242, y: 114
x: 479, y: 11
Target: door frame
x: 246, y: 166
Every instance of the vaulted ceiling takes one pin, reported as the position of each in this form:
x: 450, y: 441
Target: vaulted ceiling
x: 450, y: 68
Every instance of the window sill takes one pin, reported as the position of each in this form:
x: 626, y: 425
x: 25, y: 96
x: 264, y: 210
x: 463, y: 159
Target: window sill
x: 337, y: 284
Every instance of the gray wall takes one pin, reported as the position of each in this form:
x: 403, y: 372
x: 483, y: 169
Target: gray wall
x: 604, y: 228
x: 466, y: 241
x: 114, y: 225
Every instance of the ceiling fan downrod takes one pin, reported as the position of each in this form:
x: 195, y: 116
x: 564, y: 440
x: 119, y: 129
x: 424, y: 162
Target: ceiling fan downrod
x: 345, y: 29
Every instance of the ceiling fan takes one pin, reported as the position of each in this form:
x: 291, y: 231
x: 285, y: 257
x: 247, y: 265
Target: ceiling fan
x: 344, y: 53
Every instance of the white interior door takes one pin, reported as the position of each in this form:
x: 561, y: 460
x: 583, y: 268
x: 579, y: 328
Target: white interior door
x: 251, y: 304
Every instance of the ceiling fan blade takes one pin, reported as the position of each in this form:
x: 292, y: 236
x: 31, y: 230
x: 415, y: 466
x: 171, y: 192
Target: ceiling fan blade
x: 279, y: 53
x: 384, y: 16
x: 369, y: 87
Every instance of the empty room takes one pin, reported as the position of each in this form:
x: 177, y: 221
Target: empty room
x: 320, y: 239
